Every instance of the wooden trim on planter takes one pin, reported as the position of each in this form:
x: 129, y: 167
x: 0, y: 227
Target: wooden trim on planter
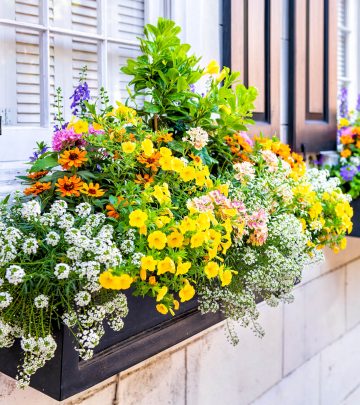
x: 251, y: 44
x: 313, y: 74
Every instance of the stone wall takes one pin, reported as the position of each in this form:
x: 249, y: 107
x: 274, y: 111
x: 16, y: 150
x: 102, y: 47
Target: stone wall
x: 309, y: 355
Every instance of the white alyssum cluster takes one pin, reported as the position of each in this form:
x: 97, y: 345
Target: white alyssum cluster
x: 82, y: 246
x: 197, y: 137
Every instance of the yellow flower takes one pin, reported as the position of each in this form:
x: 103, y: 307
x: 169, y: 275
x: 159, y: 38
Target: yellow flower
x: 165, y: 152
x: 162, y: 309
x: 157, y: 240
x: 166, y: 266
x: 177, y: 165
x: 148, y: 263
x: 203, y: 221
x: 162, y: 221
x: 183, y: 268
x: 80, y: 126
x: 198, y: 239
x: 128, y: 147
x: 211, y: 269
x: 137, y: 218
x: 143, y: 274
x: 215, y: 237
x: 97, y: 126
x: 343, y: 122
x: 176, y: 305
x: 225, y: 277
x: 315, y: 210
x: 343, y: 244
x: 162, y: 193
x: 109, y: 281
x: 152, y: 280
x: 148, y: 147
x: 212, y: 68
x: 175, y: 239
x: 345, y: 153
x: 187, y: 173
x: 161, y: 293
x: 200, y: 178
x: 187, y: 225
x: 166, y: 162
x: 221, y: 76
x: 187, y: 292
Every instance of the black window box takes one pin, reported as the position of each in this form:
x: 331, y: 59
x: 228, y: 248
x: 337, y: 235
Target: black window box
x: 356, y: 218
x: 146, y: 333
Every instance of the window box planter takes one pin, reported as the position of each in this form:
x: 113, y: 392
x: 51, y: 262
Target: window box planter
x: 356, y: 218
x: 146, y: 333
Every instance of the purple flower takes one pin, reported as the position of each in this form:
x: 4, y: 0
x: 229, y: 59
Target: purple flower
x: 35, y: 156
x: 81, y: 94
x: 192, y: 88
x: 63, y: 126
x: 348, y: 172
x: 343, y: 107
x: 358, y: 104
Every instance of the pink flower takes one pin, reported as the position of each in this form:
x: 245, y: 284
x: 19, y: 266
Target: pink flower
x: 93, y: 131
x: 246, y: 138
x: 65, y: 138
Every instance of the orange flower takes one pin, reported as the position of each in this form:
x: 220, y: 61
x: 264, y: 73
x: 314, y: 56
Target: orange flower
x: 166, y: 138
x: 37, y: 188
x: 69, y: 186
x: 92, y: 190
x: 112, y: 213
x: 358, y: 144
x: 151, y: 162
x: 345, y: 153
x: 72, y: 158
x: 37, y: 175
x: 347, y: 139
x: 145, y: 179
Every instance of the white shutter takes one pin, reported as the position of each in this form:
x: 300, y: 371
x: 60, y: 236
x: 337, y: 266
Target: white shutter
x: 342, y: 53
x: 126, y: 20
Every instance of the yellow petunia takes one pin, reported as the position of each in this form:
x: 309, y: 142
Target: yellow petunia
x: 187, y: 225
x: 137, y: 218
x: 175, y: 239
x: 176, y: 305
x: 165, y: 266
x: 211, y: 270
x: 161, y: 293
x: 157, y: 240
x: 128, y: 147
x: 177, y: 165
x: 183, y: 268
x: 187, y: 292
x: 187, y: 173
x: 80, y: 127
x: 148, y: 147
x: 225, y: 277
x: 162, y: 309
x: 148, y: 263
x: 197, y: 239
x: 212, y: 68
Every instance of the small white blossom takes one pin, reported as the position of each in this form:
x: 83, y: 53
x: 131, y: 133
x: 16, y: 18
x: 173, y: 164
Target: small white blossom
x: 5, y: 300
x: 15, y: 274
x: 30, y: 210
x: 62, y: 271
x: 52, y: 238
x: 197, y: 137
x: 82, y: 298
x: 41, y: 301
x: 83, y: 210
x: 30, y: 246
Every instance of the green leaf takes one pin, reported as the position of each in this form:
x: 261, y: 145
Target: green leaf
x: 182, y: 84
x: 151, y: 108
x: 47, y: 162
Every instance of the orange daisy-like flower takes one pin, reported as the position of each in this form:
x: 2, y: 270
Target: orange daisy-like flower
x: 347, y: 139
x: 72, y: 158
x: 151, y: 162
x: 92, y: 190
x: 37, y: 175
x: 111, y: 212
x: 166, y: 138
x: 69, y: 186
x: 144, y: 179
x: 37, y: 188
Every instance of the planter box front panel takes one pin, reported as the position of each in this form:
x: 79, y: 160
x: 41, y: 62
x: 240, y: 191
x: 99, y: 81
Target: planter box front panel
x: 146, y: 333
x: 356, y: 218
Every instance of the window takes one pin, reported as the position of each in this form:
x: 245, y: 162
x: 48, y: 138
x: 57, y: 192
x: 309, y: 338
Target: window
x: 47, y: 43
x: 348, y: 48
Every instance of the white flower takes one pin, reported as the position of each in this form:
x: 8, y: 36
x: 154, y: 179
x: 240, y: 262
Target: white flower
x: 82, y: 298
x: 66, y: 221
x: 15, y: 274
x: 52, y: 238
x: 58, y: 208
x: 136, y: 259
x: 83, y: 210
x: 197, y: 137
x: 47, y: 219
x: 30, y: 246
x: 5, y: 300
x: 41, y: 301
x: 74, y: 253
x: 245, y: 171
x: 62, y: 271
x: 30, y: 210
